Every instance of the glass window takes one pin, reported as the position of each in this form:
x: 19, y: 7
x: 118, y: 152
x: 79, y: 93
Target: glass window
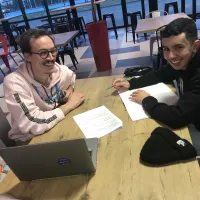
x: 109, y: 6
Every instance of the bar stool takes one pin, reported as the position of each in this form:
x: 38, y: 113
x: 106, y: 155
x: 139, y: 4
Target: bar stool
x: 110, y: 15
x: 172, y: 4
x: 133, y: 17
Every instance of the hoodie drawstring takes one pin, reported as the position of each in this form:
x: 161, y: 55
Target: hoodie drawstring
x: 52, y: 98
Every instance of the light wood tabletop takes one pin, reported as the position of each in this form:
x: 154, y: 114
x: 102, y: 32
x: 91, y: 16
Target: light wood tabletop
x: 152, y: 24
x: 119, y: 175
x: 76, y: 6
x: 61, y: 39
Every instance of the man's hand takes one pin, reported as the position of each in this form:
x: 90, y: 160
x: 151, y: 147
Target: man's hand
x: 69, y: 91
x: 138, y: 96
x: 120, y: 83
x: 74, y: 101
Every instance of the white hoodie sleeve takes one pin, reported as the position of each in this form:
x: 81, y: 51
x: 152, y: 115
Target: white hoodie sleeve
x: 27, y: 116
x: 68, y: 77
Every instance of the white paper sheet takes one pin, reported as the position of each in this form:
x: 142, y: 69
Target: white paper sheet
x: 97, y: 122
x: 160, y: 91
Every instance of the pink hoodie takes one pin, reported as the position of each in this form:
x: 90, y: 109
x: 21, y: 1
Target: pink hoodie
x: 25, y: 98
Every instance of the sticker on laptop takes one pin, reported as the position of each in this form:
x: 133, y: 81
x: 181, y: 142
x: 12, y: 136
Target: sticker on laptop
x: 64, y: 161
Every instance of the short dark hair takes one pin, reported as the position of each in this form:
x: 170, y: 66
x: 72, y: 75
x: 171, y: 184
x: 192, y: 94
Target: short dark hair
x: 25, y: 39
x: 181, y: 25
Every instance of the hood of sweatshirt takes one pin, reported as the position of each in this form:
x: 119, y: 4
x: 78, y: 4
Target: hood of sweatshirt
x: 26, y: 71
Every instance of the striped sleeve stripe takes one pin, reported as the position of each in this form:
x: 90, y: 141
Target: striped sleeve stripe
x: 28, y: 115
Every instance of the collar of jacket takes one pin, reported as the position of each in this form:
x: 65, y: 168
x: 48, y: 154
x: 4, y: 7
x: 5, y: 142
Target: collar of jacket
x: 194, y: 64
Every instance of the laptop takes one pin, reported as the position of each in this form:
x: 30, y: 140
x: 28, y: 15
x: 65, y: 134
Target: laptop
x: 54, y: 159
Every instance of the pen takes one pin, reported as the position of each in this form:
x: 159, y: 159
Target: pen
x: 121, y: 81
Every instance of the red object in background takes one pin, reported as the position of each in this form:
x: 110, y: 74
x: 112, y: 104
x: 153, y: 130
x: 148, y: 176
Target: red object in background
x: 98, y: 36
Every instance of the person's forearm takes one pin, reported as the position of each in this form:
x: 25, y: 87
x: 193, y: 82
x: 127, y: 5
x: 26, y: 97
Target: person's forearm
x: 173, y: 116
x: 66, y: 108
x: 149, y: 78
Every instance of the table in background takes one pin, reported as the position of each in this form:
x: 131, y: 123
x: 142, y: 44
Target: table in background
x: 152, y: 24
x: 62, y: 39
x: 119, y: 175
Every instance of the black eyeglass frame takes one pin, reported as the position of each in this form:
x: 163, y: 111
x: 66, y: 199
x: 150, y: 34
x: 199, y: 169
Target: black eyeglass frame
x: 54, y: 53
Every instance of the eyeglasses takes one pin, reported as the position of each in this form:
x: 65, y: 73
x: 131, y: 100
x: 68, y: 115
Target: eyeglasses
x: 45, y: 53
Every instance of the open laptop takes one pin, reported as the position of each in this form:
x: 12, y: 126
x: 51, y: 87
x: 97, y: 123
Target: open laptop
x: 54, y: 159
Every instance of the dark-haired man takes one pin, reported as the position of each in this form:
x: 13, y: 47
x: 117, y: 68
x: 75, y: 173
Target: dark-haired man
x: 41, y: 92
x: 181, y: 50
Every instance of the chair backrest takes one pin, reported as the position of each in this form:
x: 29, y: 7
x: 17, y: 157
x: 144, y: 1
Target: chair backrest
x: 4, y: 41
x: 161, y: 60
x: 158, y: 36
x: 18, y: 29
x: 62, y: 28
x: 156, y: 13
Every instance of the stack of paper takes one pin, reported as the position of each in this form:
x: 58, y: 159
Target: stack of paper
x: 97, y: 122
x: 160, y: 91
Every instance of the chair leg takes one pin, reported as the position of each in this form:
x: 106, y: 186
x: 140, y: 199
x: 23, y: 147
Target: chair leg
x: 114, y: 26
x: 70, y: 52
x: 63, y: 58
x: 151, y: 49
x: 166, y: 9
x: 176, y: 8
x: 20, y: 56
x: 126, y: 32
x: 145, y: 36
x: 60, y: 54
x: 81, y: 27
x: 2, y: 72
x: 133, y: 28
x: 71, y: 44
x: 75, y: 43
x: 13, y: 59
x: 57, y: 59
x: 83, y: 22
x: 73, y: 60
x: 5, y: 60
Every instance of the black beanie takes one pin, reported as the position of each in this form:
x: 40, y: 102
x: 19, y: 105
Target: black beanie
x: 164, y: 146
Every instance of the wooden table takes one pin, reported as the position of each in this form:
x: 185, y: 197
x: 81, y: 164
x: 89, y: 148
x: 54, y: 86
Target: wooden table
x: 119, y: 175
x: 62, y: 39
x: 152, y: 24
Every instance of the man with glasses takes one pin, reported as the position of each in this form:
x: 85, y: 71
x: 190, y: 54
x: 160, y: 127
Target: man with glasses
x: 41, y: 92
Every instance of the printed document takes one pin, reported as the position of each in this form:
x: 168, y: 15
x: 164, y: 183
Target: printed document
x: 97, y: 122
x: 160, y: 91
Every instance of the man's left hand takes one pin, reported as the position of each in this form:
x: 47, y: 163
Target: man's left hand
x: 138, y: 96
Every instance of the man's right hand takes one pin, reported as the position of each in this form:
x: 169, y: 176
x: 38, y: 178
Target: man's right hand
x: 120, y: 83
x: 74, y: 101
